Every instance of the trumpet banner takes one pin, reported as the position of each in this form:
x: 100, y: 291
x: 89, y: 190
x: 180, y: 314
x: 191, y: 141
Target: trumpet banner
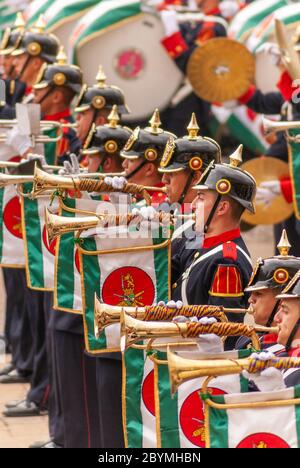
x: 275, y: 426
x: 294, y: 164
x: 67, y: 290
x: 11, y: 233
x: 127, y: 277
x: 181, y: 418
x: 39, y: 254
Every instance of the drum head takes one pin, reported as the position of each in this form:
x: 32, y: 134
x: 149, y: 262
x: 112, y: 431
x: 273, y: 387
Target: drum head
x: 266, y: 169
x: 133, y: 59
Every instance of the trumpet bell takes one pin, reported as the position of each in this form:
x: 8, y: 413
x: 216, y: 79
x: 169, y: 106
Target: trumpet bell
x: 58, y: 225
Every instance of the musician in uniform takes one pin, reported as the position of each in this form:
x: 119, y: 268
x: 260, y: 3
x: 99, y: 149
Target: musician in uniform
x: 270, y: 277
x: 180, y: 41
x: 35, y: 48
x: 93, y: 107
x: 216, y: 272
x: 288, y: 321
x: 142, y: 155
x: 278, y: 103
x: 14, y: 88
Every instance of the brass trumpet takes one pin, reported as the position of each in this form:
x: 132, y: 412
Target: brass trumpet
x: 44, y: 124
x: 270, y: 126
x: 59, y: 225
x: 181, y: 370
x: 133, y: 330
x: 44, y: 181
x: 106, y: 315
x: 6, y: 179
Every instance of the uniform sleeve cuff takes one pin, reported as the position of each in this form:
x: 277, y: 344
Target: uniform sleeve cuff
x: 248, y: 95
x: 175, y: 45
x: 285, y: 86
x: 287, y: 190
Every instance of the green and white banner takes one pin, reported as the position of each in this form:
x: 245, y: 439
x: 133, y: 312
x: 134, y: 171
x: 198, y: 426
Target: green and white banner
x: 181, y: 418
x: 102, y: 16
x: 60, y: 13
x: 123, y: 266
x: 11, y: 233
x: 139, y: 417
x: 294, y: 164
x: 251, y: 16
x: 243, y: 124
x: 265, y: 31
x: 40, y: 255
x: 35, y: 9
x: 67, y: 290
x: 274, y: 426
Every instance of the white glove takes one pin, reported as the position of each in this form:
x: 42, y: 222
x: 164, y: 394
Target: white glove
x: 117, y: 183
x: 271, y: 49
x: 20, y: 143
x: 169, y: 20
x: 70, y: 168
x: 40, y: 157
x: 207, y: 320
x: 210, y: 344
x: 171, y: 304
x: 148, y: 213
x: 229, y: 8
x: 230, y: 105
x: 267, y: 191
x: 268, y: 380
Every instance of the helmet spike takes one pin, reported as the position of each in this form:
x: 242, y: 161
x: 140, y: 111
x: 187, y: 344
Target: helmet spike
x: 155, y: 123
x: 237, y: 157
x: 193, y: 128
x: 113, y: 117
x: 40, y: 24
x: 284, y: 246
x: 61, y: 58
x: 20, y: 21
x: 101, y: 77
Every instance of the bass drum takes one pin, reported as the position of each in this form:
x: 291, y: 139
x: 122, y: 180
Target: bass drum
x: 133, y: 59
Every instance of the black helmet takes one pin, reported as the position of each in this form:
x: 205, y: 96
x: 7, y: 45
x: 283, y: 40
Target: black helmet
x: 38, y: 43
x: 101, y: 96
x: 60, y: 74
x: 190, y: 152
x: 148, y: 143
x: 12, y: 37
x: 292, y: 291
x: 107, y: 139
x: 275, y: 272
x: 230, y: 180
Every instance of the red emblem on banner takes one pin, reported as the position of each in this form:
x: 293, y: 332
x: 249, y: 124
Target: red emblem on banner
x: 148, y: 393
x: 12, y: 217
x: 77, y: 262
x: 50, y: 247
x: 15, y: 159
x: 128, y: 286
x: 263, y: 440
x: 191, y: 417
x: 130, y: 63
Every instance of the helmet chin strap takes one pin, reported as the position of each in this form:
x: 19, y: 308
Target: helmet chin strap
x: 45, y: 95
x: 24, y: 67
x: 136, y: 170
x: 186, y: 188
x: 212, y: 213
x: 292, y: 335
x: 273, y: 313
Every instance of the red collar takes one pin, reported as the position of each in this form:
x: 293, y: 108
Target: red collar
x: 28, y: 90
x: 213, y: 12
x: 59, y: 116
x: 271, y: 338
x: 228, y: 236
x: 294, y: 352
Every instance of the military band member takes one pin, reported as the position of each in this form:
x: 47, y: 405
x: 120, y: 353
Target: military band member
x: 270, y: 277
x: 281, y: 103
x: 14, y: 88
x: 179, y: 42
x: 142, y: 155
x: 93, y: 107
x: 217, y: 272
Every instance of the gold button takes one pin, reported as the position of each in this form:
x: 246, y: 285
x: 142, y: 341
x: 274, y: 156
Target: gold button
x: 174, y: 286
x: 197, y: 255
